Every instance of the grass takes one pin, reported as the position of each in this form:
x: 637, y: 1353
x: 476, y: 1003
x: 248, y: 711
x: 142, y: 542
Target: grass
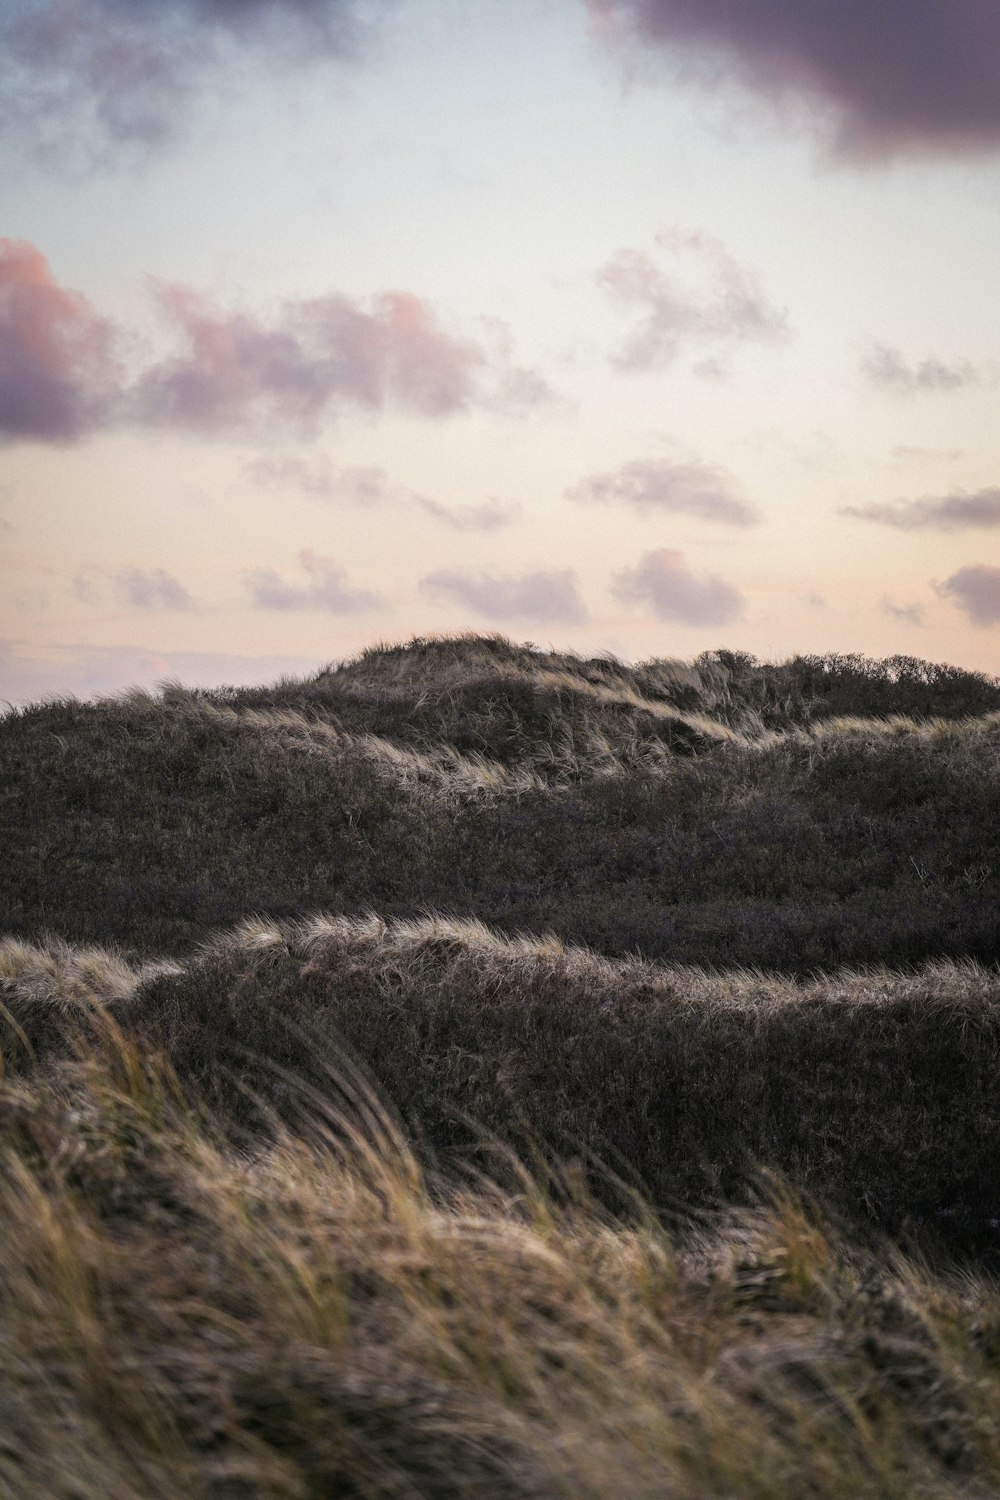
x: 320, y: 1317
x: 529, y: 793
x: 673, y: 1083
x: 477, y: 1071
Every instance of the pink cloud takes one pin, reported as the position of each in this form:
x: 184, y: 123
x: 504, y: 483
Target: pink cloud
x: 894, y: 75
x: 235, y: 368
x: 233, y: 371
x: 57, y: 355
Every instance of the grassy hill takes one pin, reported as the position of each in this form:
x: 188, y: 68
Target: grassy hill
x: 475, y: 1070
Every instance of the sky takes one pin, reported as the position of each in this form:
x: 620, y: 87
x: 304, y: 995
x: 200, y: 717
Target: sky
x: 632, y: 326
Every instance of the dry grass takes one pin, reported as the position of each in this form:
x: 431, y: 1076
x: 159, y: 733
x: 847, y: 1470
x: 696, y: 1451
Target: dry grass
x: 321, y: 1319
x: 872, y: 1091
x: 582, y: 1190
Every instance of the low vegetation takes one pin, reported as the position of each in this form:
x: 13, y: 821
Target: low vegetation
x: 645, y: 810
x: 479, y: 1071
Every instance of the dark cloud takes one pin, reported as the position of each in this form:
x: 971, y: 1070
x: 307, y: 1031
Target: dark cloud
x: 325, y: 587
x: 664, y: 580
x: 543, y: 596
x: 725, y: 303
x: 976, y: 590
x: 933, y: 513
x: 491, y: 515
x: 883, y: 76
x: 319, y: 478
x: 90, y: 77
x: 654, y: 485
x: 151, y: 588
x: 236, y: 369
x: 906, y: 614
x: 58, y: 375
x: 887, y: 368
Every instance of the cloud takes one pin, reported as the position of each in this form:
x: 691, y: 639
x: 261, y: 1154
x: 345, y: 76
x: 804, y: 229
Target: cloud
x: 319, y: 479
x: 89, y: 78
x: 233, y: 371
x: 907, y: 614
x: 521, y: 390
x: 887, y: 368
x: 727, y: 307
x: 918, y: 453
x: 58, y: 374
x: 933, y: 513
x: 976, y: 591
x: 151, y: 588
x: 654, y: 485
x: 664, y: 580
x: 543, y: 596
x: 325, y: 587
x: 236, y: 369
x: 368, y: 486
x: 896, y: 76
x: 491, y: 515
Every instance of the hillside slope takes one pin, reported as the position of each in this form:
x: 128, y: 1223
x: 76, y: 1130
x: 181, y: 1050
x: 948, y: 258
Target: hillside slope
x: 476, y: 1071
x: 708, y: 814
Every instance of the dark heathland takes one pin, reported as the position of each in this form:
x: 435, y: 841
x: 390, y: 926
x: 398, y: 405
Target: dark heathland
x: 480, y: 1071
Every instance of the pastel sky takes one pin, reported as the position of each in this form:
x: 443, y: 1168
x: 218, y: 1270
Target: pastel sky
x: 642, y: 326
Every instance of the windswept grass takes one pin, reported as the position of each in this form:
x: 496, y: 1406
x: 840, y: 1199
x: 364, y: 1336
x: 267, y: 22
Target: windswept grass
x: 872, y: 1092
x: 484, y: 1072
x: 322, y: 1319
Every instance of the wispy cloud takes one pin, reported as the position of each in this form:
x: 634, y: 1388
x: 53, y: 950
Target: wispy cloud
x: 58, y: 371
x: 491, y: 515
x: 521, y: 390
x: 659, y: 487
x: 319, y: 478
x: 136, y: 588
x: 976, y: 591
x: 551, y: 596
x: 88, y: 79
x: 151, y: 588
x: 919, y: 453
x: 958, y: 512
x: 721, y: 302
x: 325, y: 586
x: 906, y: 614
x: 886, y: 367
x: 663, y: 580
x: 900, y: 77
